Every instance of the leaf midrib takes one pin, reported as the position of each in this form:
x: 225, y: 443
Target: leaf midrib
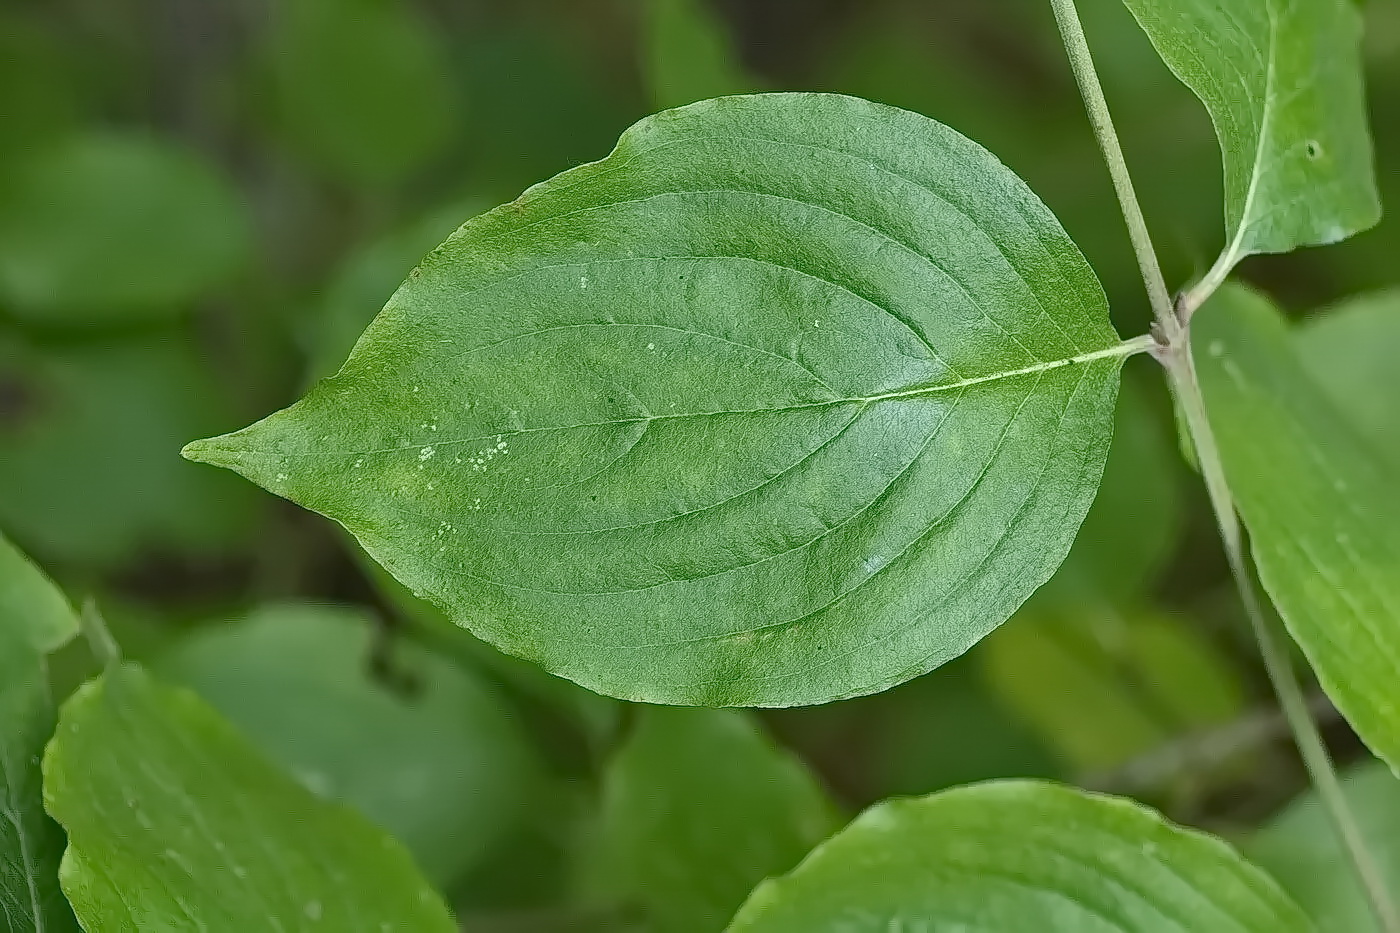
x: 200, y: 450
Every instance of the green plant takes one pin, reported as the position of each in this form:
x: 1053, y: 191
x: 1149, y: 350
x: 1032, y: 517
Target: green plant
x: 790, y: 399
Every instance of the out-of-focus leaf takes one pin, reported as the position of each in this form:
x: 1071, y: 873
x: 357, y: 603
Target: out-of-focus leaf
x: 444, y: 767
x: 1300, y: 848
x: 1102, y: 687
x: 1319, y: 505
x: 87, y: 433
x: 112, y: 228
x: 176, y: 822
x: 34, y: 618
x: 611, y: 426
x: 1282, y: 82
x: 1020, y: 855
x: 941, y: 731
x: 698, y: 807
x: 687, y: 54
x: 1350, y: 352
x: 1136, y: 519
x: 362, y: 87
x: 30, y: 603
x: 38, y: 99
x: 367, y: 278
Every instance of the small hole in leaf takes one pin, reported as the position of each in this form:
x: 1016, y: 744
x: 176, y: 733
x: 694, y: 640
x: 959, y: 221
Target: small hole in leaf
x: 1314, y: 150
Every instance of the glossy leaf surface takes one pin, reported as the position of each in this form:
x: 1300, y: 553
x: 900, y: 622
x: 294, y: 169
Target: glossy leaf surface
x: 793, y: 397
x: 698, y: 807
x: 1020, y: 855
x: 175, y: 822
x: 1282, y: 82
x: 1319, y: 505
x: 439, y: 762
x: 1300, y: 848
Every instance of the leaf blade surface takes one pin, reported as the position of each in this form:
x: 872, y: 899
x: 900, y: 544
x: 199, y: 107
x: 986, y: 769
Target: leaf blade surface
x: 792, y: 397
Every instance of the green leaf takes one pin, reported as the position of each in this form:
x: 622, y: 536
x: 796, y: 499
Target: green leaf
x: 1020, y: 855
x: 31, y: 605
x: 362, y: 88
x: 112, y: 228
x: 34, y: 618
x: 1320, y: 507
x: 793, y: 397
x: 1103, y: 687
x: 1350, y: 353
x: 1282, y: 82
x: 88, y: 434
x: 445, y: 768
x: 175, y: 822
x: 1300, y: 848
x: 687, y: 55
x: 698, y: 807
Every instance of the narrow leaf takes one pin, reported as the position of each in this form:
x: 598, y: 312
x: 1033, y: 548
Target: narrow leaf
x: 793, y: 397
x: 698, y: 807
x: 1020, y: 855
x: 1282, y: 82
x: 1301, y: 849
x: 175, y: 822
x: 34, y: 618
x: 1320, y: 507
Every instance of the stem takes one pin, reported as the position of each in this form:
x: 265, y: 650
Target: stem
x: 1175, y: 354
x: 1072, y: 32
x: 1273, y: 647
x: 104, y: 647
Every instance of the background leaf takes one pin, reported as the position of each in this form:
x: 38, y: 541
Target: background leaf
x: 30, y: 604
x: 1282, y: 82
x: 1323, y: 521
x: 1019, y: 855
x: 362, y: 87
x: 114, y: 227
x: 690, y: 427
x: 1300, y: 848
x: 441, y: 764
x: 687, y: 54
x: 174, y: 821
x: 1103, y: 686
x: 1349, y: 351
x: 698, y: 807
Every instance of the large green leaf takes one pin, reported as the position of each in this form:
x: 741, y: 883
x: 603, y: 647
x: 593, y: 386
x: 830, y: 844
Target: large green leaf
x: 1282, y: 82
x: 175, y: 822
x: 444, y: 768
x: 1350, y: 353
x: 698, y: 807
x: 1320, y: 507
x: 793, y: 397
x: 1020, y: 855
x: 111, y: 227
x: 1300, y: 848
x: 34, y: 618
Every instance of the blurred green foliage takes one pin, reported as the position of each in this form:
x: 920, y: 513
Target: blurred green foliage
x: 202, y: 205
